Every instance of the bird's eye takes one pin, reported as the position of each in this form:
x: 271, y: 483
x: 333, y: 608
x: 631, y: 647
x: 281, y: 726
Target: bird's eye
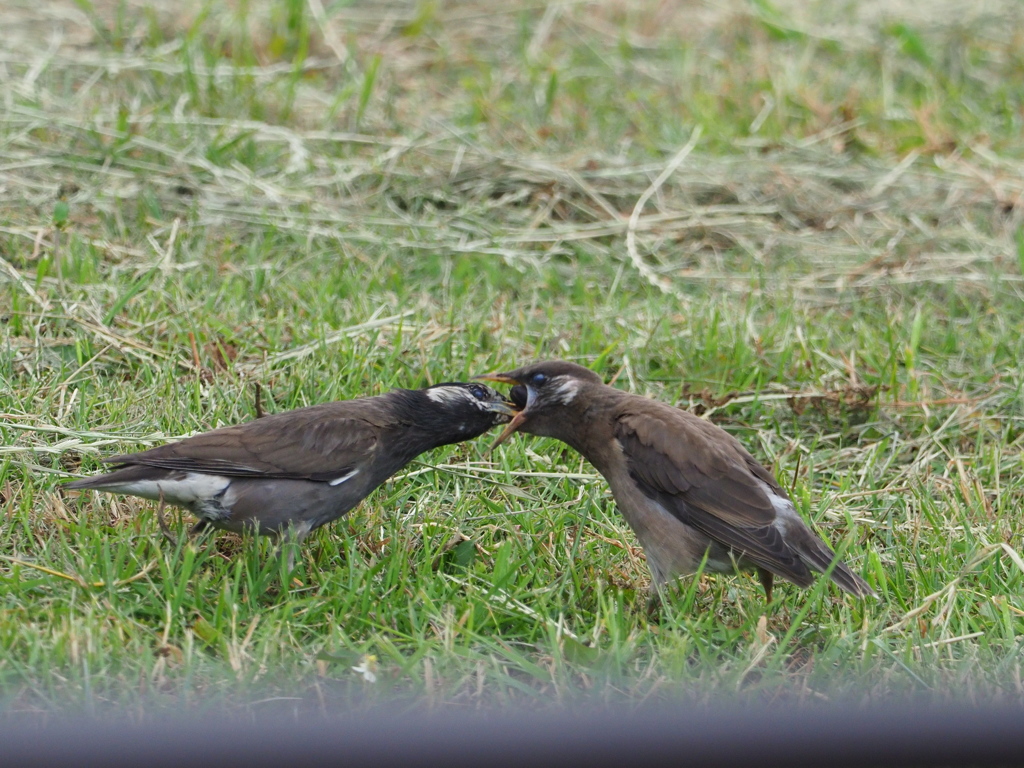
x: 539, y: 379
x: 480, y: 393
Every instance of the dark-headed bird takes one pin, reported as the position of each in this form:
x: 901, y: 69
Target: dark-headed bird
x: 687, y: 488
x: 291, y: 472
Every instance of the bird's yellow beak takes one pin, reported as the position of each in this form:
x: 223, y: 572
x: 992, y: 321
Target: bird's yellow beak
x: 501, y: 378
x: 504, y: 406
x: 517, y: 419
x: 510, y: 429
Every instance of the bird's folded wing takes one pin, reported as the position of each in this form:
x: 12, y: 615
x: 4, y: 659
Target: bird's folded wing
x: 309, y: 444
x: 709, y: 481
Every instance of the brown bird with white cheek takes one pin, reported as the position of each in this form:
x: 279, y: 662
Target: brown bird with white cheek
x: 687, y: 488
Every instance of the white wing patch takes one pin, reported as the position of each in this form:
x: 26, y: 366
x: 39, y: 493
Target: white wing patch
x: 343, y: 478
x: 785, y: 513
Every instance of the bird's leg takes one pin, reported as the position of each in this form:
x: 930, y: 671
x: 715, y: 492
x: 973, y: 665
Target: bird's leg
x: 258, y: 397
x: 767, y: 580
x: 163, y: 522
x: 654, y: 604
x: 655, y: 598
x: 290, y: 538
x: 201, y: 526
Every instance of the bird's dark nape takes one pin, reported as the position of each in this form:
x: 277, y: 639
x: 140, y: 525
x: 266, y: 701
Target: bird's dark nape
x: 454, y: 412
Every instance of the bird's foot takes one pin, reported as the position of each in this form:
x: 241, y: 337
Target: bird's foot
x: 767, y: 579
x: 164, y: 528
x: 290, y: 541
x: 655, y: 601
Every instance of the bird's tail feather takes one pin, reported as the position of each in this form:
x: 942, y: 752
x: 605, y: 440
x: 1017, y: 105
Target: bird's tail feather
x: 85, y: 483
x: 115, y: 479
x: 817, y: 555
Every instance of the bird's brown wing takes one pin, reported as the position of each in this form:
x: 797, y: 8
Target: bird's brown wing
x: 703, y: 476
x: 322, y: 443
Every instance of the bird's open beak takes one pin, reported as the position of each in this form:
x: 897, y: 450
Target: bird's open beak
x: 519, y: 416
x: 504, y: 407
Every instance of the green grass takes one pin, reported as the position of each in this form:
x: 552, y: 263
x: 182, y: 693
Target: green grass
x: 193, y: 202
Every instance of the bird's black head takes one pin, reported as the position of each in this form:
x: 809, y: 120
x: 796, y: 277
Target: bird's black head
x: 456, y: 411
x: 541, y: 392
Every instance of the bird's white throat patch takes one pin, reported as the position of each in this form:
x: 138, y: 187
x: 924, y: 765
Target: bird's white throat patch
x: 565, y: 392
